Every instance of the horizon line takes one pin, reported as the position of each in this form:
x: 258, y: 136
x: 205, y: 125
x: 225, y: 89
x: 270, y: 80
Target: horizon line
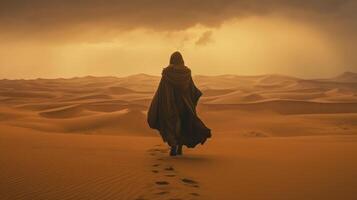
x: 147, y: 74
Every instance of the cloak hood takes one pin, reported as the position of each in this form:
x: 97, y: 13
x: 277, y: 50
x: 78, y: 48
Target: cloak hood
x: 176, y: 59
x: 177, y: 75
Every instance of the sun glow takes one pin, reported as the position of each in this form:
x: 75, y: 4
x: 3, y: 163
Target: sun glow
x: 254, y: 45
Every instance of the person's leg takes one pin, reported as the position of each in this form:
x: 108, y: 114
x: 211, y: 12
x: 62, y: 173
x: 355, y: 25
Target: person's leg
x: 173, y: 151
x: 179, y: 149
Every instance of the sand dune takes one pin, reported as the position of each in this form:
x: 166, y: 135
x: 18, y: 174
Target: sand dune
x: 217, y: 92
x: 274, y: 137
x: 53, y: 105
x: 64, y: 112
x: 123, y: 122
x: 346, y: 77
x: 289, y: 107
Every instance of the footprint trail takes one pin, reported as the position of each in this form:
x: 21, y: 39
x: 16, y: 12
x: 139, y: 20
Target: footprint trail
x: 169, y: 183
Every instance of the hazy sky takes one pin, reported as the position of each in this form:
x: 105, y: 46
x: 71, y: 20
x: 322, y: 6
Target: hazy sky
x: 66, y: 38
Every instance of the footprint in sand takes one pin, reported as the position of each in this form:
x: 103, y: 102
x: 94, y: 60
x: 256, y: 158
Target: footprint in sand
x: 154, y: 150
x: 194, y: 194
x: 190, y: 182
x: 155, y: 171
x: 164, y: 151
x: 169, y: 169
x: 162, y: 183
x: 162, y: 193
x: 161, y: 150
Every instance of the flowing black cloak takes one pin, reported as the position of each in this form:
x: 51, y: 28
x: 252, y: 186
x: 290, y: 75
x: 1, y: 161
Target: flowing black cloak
x: 173, y: 109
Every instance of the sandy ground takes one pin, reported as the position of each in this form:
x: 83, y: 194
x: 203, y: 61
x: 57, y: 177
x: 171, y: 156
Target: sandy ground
x: 68, y: 166
x: 274, y: 137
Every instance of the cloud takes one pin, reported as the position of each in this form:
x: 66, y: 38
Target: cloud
x: 60, y: 17
x: 56, y: 33
x: 103, y: 20
x: 204, y: 39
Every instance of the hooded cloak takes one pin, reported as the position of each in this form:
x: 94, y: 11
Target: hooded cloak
x: 173, y: 109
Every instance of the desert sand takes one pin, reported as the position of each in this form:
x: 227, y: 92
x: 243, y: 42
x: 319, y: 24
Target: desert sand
x: 274, y: 137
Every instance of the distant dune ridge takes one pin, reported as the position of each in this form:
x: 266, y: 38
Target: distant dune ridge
x: 107, y: 105
x: 87, y: 138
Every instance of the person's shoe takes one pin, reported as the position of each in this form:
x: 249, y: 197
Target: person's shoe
x: 179, y: 150
x: 173, y: 151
